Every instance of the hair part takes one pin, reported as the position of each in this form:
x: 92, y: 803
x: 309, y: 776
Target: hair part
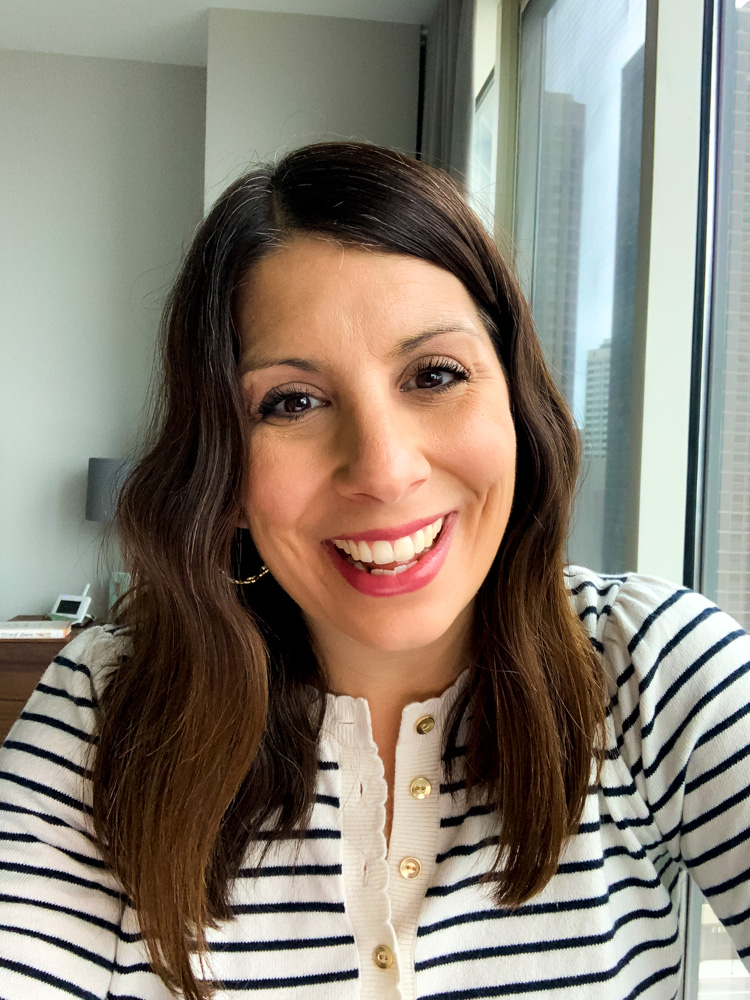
x: 196, y: 763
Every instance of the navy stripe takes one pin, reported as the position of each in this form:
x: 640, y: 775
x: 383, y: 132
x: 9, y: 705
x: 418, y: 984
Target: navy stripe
x: 274, y: 871
x: 687, y: 674
x: 62, y: 693
x: 464, y: 850
x: 571, y: 867
x: 731, y: 883
x: 314, y: 834
x: 30, y: 838
x: 318, y: 979
x: 526, y: 910
x: 459, y: 819
x: 655, y: 977
x: 452, y: 787
x: 48, y: 720
x: 288, y: 944
x: 74, y: 949
x: 58, y: 876
x: 50, y: 793
x: 327, y: 800
x: 561, y: 982
x: 714, y: 772
x: 49, y: 980
x: 327, y: 765
x: 592, y: 609
x: 589, y: 585
x: 88, y: 918
x: 447, y: 890
x: 53, y: 758
x: 540, y: 947
x: 44, y: 817
x: 655, y: 614
x: 63, y: 661
x: 697, y: 707
x: 613, y: 791
x: 723, y: 725
x: 676, y: 639
x: 717, y: 810
x: 296, y: 907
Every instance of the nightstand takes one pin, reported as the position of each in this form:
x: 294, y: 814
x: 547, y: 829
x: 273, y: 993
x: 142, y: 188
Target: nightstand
x: 22, y: 663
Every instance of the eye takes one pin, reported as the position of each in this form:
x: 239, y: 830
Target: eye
x: 288, y: 403
x: 436, y: 375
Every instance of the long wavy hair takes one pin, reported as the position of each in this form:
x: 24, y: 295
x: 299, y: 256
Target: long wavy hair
x: 209, y: 726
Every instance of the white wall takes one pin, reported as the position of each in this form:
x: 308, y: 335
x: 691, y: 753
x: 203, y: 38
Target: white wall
x: 277, y: 81
x: 101, y: 183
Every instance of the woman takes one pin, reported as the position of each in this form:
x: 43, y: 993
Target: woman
x: 357, y: 732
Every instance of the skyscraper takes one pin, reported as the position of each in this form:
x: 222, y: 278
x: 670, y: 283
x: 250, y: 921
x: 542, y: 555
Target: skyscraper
x: 558, y: 233
x: 619, y: 491
x: 727, y: 568
x: 597, y: 401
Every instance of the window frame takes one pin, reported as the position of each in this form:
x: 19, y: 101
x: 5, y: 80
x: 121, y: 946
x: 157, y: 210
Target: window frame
x: 672, y: 310
x: 668, y: 231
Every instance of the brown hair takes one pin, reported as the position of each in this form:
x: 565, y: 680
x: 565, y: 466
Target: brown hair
x: 188, y: 766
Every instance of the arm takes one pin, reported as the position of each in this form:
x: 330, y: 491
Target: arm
x: 683, y: 720
x: 60, y: 907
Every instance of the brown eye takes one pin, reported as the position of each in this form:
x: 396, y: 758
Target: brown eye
x: 429, y: 379
x: 437, y: 375
x: 296, y: 404
x: 288, y: 404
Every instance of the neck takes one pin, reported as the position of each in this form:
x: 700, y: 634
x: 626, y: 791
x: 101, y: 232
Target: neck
x: 391, y: 679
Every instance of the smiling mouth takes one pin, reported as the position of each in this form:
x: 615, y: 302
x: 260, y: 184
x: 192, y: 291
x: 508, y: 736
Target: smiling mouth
x: 376, y: 567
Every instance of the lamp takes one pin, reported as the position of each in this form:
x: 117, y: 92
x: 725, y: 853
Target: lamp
x: 105, y: 480
x: 106, y: 476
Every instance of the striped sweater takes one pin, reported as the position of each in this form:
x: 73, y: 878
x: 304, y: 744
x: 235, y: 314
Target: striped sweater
x: 343, y: 918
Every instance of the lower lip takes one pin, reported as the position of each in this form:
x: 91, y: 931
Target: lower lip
x: 423, y: 572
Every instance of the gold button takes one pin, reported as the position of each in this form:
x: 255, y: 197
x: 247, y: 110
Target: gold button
x: 420, y: 788
x: 425, y: 725
x: 410, y: 868
x: 383, y: 956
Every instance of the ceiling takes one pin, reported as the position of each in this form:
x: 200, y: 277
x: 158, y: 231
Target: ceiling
x: 166, y: 31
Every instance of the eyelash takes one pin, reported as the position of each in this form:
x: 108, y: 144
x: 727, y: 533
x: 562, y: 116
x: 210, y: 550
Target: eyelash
x: 276, y: 396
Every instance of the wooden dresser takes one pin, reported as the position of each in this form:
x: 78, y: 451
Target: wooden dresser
x: 22, y: 663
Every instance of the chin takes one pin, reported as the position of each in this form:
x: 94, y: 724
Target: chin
x: 402, y: 633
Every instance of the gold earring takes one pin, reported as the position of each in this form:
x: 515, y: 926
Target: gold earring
x: 250, y: 579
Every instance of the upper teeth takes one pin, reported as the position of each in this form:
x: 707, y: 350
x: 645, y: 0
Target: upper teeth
x: 402, y: 550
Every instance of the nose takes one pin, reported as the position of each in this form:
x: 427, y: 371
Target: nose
x: 380, y: 455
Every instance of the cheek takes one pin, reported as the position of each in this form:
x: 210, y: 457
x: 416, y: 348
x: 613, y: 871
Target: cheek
x: 484, y: 450
x: 275, y: 495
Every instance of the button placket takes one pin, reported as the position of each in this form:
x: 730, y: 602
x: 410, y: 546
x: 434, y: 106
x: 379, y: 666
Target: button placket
x: 365, y: 864
x: 413, y: 843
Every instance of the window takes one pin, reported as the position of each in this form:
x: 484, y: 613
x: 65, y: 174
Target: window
x: 577, y: 198
x: 724, y: 571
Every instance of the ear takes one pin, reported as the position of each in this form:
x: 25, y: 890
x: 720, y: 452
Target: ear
x: 241, y: 521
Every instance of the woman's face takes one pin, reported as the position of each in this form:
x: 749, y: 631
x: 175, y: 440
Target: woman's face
x: 379, y: 415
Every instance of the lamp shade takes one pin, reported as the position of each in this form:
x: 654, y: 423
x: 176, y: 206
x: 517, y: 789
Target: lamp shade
x: 106, y: 476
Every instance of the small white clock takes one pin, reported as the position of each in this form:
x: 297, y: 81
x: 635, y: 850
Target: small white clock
x: 71, y: 607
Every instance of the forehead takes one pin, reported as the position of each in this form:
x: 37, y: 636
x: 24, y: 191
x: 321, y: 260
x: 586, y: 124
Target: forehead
x: 313, y: 289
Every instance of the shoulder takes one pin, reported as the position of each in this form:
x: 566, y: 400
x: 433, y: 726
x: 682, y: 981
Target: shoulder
x: 85, y: 662
x: 660, y: 644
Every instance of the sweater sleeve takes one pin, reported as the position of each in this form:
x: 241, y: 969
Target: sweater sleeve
x: 682, y: 714
x: 61, y: 906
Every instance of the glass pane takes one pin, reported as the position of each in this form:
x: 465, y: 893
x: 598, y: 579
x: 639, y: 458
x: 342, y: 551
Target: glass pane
x: 581, y: 97
x: 726, y: 562
x: 725, y: 573
x: 721, y: 974
x: 483, y: 159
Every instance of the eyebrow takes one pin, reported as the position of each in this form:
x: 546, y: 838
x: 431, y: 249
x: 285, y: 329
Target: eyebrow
x: 403, y: 347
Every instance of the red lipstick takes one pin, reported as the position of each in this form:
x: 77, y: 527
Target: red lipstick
x: 424, y: 570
